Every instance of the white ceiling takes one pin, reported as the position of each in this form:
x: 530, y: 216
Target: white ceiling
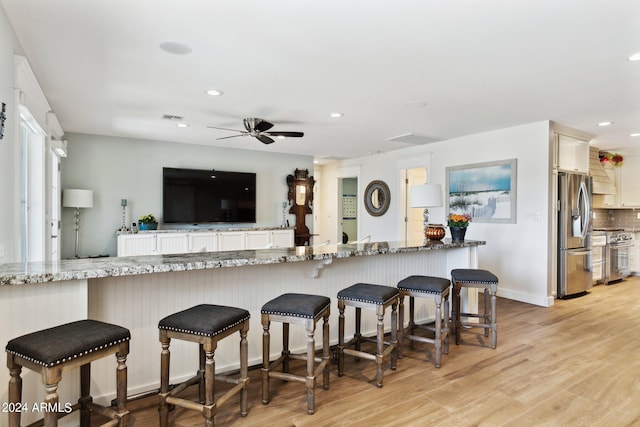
x: 477, y: 64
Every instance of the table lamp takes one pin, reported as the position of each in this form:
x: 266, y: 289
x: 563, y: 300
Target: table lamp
x: 428, y: 196
x: 74, y: 198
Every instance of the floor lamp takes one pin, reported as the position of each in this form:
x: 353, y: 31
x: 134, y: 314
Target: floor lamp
x: 428, y: 196
x: 77, y: 199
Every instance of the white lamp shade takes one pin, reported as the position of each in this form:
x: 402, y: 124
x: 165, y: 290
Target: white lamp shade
x: 425, y: 196
x: 74, y: 198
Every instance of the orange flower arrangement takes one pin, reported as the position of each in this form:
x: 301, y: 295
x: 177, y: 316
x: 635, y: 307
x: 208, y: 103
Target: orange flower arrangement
x: 458, y: 220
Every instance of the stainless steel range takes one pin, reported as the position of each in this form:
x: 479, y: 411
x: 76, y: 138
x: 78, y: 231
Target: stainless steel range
x: 617, y: 254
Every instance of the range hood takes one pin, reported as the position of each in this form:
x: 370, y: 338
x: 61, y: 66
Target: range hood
x: 602, y: 179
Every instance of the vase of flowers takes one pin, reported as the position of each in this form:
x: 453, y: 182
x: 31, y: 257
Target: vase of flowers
x: 458, y: 224
x: 147, y: 222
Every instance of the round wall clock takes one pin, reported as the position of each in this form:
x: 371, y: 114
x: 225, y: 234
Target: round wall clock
x: 377, y: 198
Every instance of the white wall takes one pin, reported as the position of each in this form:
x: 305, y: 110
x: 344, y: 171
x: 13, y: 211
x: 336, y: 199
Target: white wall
x: 120, y: 168
x: 9, y: 225
x: 517, y: 253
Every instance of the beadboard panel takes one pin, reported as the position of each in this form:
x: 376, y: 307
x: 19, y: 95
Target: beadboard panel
x: 139, y: 302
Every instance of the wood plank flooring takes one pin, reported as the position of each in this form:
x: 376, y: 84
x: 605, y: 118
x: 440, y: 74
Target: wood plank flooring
x: 574, y: 364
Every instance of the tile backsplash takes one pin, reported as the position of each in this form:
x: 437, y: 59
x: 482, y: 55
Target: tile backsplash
x: 623, y: 218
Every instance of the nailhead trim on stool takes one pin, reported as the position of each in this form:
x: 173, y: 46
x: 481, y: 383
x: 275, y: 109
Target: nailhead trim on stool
x: 204, y: 324
x: 475, y: 278
x: 370, y: 297
x: 305, y: 310
x: 436, y: 289
x: 75, y: 344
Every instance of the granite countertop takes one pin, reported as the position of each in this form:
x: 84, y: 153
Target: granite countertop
x: 202, y: 230
x: 91, y: 268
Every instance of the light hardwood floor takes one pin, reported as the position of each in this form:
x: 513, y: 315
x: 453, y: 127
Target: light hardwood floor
x: 574, y: 364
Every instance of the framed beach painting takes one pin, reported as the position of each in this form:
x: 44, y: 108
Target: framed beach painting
x: 486, y: 191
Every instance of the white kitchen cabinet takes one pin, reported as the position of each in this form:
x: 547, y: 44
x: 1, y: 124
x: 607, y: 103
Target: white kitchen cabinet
x: 136, y: 244
x: 172, y: 243
x: 231, y: 241
x: 258, y: 239
x: 203, y: 242
x: 282, y: 238
x: 634, y: 258
x: 573, y: 154
x: 628, y: 186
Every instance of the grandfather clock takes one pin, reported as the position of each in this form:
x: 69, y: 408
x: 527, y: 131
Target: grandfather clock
x: 301, y: 199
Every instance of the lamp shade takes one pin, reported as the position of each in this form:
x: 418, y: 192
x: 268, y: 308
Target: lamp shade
x: 425, y: 196
x: 74, y: 198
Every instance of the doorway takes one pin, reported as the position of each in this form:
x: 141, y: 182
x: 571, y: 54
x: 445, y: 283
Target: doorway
x: 349, y: 209
x: 414, y: 218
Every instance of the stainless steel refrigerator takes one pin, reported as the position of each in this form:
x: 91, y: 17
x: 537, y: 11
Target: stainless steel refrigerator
x: 574, y: 234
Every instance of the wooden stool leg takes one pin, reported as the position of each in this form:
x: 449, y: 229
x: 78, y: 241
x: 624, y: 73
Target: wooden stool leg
x: 325, y: 351
x: 201, y: 375
x: 310, y: 382
x: 494, y: 326
x: 380, y: 344
x: 487, y: 320
x: 340, y: 338
x: 394, y: 335
x: 244, y: 370
x: 412, y: 321
x: 285, y: 347
x: 456, y: 323
x: 52, y: 378
x: 446, y: 325
x: 85, y: 395
x: 265, y: 360
x: 401, y: 324
x: 210, y: 385
x: 165, y: 356
x: 121, y: 384
x: 438, y: 332
x: 15, y: 389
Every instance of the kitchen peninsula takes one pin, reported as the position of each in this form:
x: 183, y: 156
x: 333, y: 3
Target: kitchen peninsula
x: 135, y: 292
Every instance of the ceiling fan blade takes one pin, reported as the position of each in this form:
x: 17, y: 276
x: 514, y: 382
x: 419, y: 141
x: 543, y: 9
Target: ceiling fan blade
x: 263, y: 125
x: 265, y: 139
x: 232, y: 136
x: 234, y: 130
x: 287, y: 134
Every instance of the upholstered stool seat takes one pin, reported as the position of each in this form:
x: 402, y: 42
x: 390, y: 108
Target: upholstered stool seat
x: 376, y: 298
x: 479, y: 279
x: 304, y: 310
x: 63, y: 347
x: 204, y: 324
x: 433, y: 288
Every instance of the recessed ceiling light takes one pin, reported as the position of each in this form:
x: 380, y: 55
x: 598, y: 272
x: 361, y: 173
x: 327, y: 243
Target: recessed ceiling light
x: 280, y: 136
x: 175, y: 48
x: 415, y: 104
x: 602, y: 124
x: 635, y: 134
x: 214, y: 92
x: 336, y: 115
x: 634, y: 57
x: 182, y: 125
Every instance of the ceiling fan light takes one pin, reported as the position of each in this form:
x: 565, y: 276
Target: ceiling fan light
x: 281, y: 137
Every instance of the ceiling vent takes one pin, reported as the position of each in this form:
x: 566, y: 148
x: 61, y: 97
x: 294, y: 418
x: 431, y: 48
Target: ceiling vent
x: 172, y: 117
x: 413, y: 138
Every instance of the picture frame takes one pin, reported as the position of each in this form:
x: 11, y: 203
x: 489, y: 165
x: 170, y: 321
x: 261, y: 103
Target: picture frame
x: 485, y: 191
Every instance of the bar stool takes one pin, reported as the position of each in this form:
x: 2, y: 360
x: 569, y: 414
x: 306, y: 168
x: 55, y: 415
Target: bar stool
x: 479, y: 279
x: 54, y: 350
x: 371, y: 297
x: 304, y: 310
x: 437, y: 290
x: 206, y: 325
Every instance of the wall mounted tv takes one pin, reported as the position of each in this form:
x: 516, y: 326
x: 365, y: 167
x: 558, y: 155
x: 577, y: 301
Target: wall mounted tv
x: 195, y: 196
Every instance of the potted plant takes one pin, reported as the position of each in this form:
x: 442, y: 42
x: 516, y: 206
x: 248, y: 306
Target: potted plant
x: 458, y: 224
x: 148, y: 222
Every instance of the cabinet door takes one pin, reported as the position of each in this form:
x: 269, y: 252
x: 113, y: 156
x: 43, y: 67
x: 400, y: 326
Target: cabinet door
x: 136, y: 244
x: 203, y: 242
x: 629, y: 177
x: 231, y: 240
x: 259, y: 239
x: 282, y: 238
x: 573, y: 154
x: 172, y: 243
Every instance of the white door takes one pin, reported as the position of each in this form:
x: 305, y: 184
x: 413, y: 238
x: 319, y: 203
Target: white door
x: 414, y: 227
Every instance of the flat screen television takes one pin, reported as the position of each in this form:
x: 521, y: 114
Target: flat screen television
x: 195, y: 196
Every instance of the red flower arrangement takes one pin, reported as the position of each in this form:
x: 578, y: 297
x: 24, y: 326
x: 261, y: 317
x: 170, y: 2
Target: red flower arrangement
x: 614, y: 159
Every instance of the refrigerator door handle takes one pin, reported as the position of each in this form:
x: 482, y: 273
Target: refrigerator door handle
x: 584, y: 252
x: 585, y: 207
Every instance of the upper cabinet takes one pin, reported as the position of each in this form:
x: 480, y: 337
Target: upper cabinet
x: 573, y: 154
x: 629, y: 178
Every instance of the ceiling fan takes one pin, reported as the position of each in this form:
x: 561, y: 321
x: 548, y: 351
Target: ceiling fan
x: 259, y: 128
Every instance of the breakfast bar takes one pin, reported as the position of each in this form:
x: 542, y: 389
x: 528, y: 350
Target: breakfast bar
x: 136, y: 292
